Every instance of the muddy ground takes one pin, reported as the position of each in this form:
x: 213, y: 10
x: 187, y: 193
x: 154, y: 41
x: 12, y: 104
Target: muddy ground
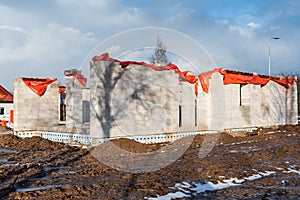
x: 34, y: 168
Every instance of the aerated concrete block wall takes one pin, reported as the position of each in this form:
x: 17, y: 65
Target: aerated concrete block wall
x: 274, y: 104
x: 203, y: 107
x: 74, y: 102
x: 137, y: 100
x: 34, y: 112
x: 188, y: 107
x: 292, y: 105
x: 267, y: 105
x: 233, y: 117
x: 140, y: 101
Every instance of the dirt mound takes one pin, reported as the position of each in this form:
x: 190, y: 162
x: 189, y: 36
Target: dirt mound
x: 9, y: 140
x: 136, y: 147
x: 39, y: 144
x: 2, y: 129
x: 29, y: 144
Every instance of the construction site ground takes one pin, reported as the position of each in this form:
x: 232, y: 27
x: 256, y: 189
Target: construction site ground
x: 263, y: 164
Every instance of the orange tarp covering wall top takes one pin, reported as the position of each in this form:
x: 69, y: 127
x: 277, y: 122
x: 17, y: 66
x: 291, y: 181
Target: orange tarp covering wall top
x: 229, y: 77
x: 234, y: 77
x: 62, y: 89
x: 186, y: 75
x: 38, y: 85
x: 204, y: 78
x: 80, y: 78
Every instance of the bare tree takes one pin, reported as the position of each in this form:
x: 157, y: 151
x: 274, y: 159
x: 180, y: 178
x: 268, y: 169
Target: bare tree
x: 159, y: 57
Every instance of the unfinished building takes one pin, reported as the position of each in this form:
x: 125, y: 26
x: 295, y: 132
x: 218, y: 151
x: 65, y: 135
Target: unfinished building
x: 128, y: 98
x: 226, y: 100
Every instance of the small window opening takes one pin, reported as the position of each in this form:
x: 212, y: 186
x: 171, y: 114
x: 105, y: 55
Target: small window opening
x: 180, y: 120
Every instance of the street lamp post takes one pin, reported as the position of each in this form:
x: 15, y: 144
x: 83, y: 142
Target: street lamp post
x: 274, y: 38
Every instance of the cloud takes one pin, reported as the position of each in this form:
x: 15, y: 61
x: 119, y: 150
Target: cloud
x: 253, y: 26
x: 44, y: 51
x: 43, y: 39
x: 52, y: 42
x: 12, y: 28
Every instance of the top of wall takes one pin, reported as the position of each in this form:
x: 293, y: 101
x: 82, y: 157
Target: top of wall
x: 229, y: 76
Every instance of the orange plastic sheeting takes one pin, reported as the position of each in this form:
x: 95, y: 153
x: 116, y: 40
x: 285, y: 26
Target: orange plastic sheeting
x: 80, y: 78
x: 11, y: 116
x: 255, y: 79
x: 61, y: 90
x: 242, y: 79
x: 230, y: 77
x: 205, y: 76
x: 38, y: 86
x: 3, y: 123
x: 186, y: 75
x: 286, y: 82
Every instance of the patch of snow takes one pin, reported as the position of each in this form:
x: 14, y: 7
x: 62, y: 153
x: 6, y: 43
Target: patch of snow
x: 4, y: 150
x: 209, y: 186
x: 170, y: 196
x: 271, y: 132
x: 186, y: 188
x: 37, y: 188
x: 290, y: 170
x: 243, y: 142
x: 259, y: 175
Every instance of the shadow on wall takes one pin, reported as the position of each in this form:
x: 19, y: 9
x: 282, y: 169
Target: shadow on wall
x: 131, y: 100
x: 274, y: 104
x: 132, y: 89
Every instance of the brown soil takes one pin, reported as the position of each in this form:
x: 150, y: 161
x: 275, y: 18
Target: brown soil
x: 34, y: 168
x: 2, y: 129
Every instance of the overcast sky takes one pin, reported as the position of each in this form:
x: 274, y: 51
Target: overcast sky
x: 42, y: 38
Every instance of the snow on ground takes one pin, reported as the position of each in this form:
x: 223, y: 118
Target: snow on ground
x: 186, y: 190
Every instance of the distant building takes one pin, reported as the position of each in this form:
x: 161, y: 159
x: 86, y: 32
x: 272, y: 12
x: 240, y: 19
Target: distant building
x: 6, y: 104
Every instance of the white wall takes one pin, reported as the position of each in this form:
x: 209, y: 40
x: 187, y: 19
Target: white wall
x: 33, y: 112
x: 224, y: 107
x: 143, y: 101
x: 7, y: 108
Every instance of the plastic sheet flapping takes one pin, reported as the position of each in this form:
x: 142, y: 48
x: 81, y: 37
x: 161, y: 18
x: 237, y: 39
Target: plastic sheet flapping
x: 186, y: 75
x: 233, y: 77
x: 38, y: 86
x: 229, y: 77
x: 80, y: 78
